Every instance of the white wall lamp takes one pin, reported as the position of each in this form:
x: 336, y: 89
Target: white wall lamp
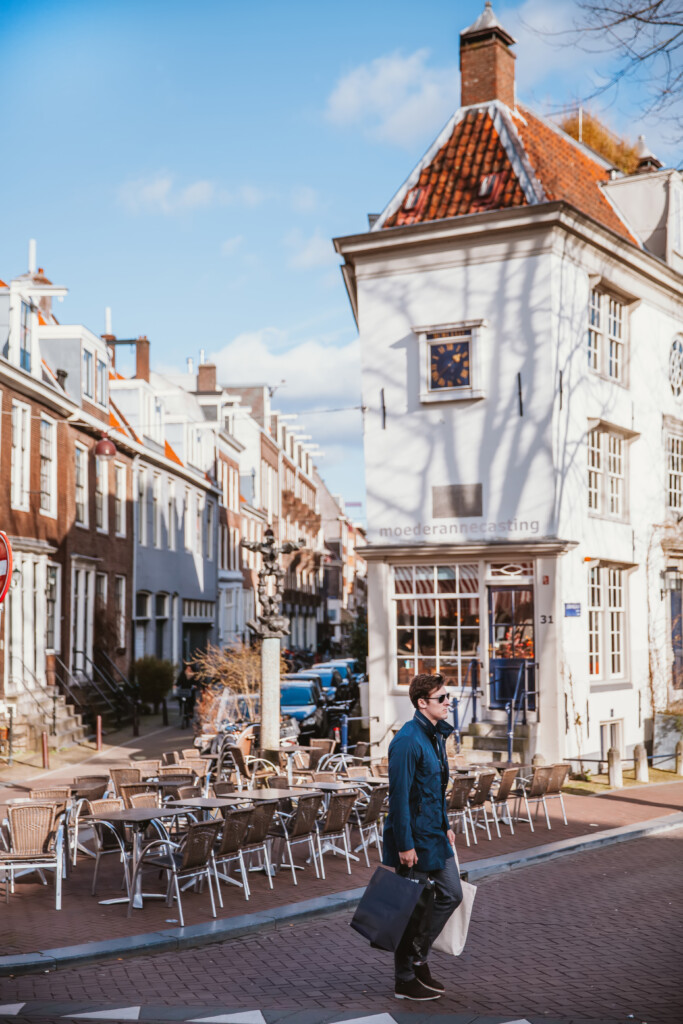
x: 671, y: 580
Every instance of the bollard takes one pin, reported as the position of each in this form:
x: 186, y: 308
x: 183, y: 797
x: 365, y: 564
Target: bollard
x: 46, y: 752
x: 164, y: 712
x: 537, y: 760
x: 98, y: 732
x: 679, y: 755
x: 344, y: 734
x: 614, y: 772
x: 640, y: 763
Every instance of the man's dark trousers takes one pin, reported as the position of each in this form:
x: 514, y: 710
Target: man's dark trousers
x: 446, y: 896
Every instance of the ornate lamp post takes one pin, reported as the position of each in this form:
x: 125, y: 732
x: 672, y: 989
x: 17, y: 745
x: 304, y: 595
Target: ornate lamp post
x: 271, y: 626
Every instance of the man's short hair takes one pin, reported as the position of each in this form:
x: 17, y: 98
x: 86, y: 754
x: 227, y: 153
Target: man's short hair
x: 423, y: 686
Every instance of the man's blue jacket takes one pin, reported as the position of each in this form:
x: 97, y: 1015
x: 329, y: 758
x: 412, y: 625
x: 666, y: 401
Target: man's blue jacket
x: 418, y: 773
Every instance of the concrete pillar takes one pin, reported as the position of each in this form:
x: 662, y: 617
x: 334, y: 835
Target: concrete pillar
x: 679, y: 758
x: 640, y: 763
x: 270, y: 696
x: 614, y: 772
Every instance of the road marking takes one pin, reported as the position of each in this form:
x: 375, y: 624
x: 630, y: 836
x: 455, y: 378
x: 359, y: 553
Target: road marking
x: 11, y: 1009
x: 125, y: 1013
x: 377, y: 1018
x: 242, y: 1017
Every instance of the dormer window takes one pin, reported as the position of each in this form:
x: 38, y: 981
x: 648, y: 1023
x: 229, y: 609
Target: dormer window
x: 412, y: 199
x: 25, y: 337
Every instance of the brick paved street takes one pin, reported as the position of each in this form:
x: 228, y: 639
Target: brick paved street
x: 591, y: 937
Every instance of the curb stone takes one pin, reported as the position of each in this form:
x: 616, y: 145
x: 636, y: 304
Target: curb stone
x: 174, y: 939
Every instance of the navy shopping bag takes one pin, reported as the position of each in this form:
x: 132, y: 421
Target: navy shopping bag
x: 387, y: 906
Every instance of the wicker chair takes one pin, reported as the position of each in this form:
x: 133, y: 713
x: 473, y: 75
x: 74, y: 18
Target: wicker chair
x: 171, y: 784
x: 190, y: 792
x: 299, y: 828
x: 326, y: 745
x: 127, y: 790
x: 97, y: 785
x: 498, y: 798
x: 324, y: 777
x: 150, y: 799
x: 558, y: 777
x: 478, y: 797
x: 356, y: 771
x: 110, y: 839
x: 189, y: 753
x: 335, y: 826
x: 258, y: 836
x: 148, y: 769
x: 224, y: 788
x: 457, y: 808
x: 366, y: 818
x: 35, y: 844
x: 170, y: 757
x: 124, y: 777
x: 379, y: 771
x: 246, y: 769
x: 230, y: 849
x: 533, y: 790
x: 188, y: 860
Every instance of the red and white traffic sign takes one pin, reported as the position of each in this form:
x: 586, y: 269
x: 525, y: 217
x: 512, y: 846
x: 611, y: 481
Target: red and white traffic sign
x: 5, y: 565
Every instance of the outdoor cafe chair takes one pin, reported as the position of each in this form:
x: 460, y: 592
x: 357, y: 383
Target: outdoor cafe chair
x: 457, y: 807
x: 324, y: 777
x: 498, y: 798
x: 60, y: 795
x: 533, y: 790
x: 110, y: 838
x: 190, y: 792
x: 96, y: 785
x: 356, y: 771
x: 259, y: 834
x: 366, y: 817
x: 224, y: 788
x: 148, y: 769
x: 123, y: 776
x: 298, y: 828
x: 170, y: 757
x: 229, y: 849
x: 35, y: 842
x: 128, y: 790
x: 379, y: 771
x: 558, y: 777
x: 335, y: 826
x: 248, y: 769
x: 148, y: 799
x: 477, y: 799
x: 190, y: 860
x: 189, y: 753
x: 328, y: 746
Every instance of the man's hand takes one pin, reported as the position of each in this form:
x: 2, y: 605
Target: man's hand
x: 408, y: 858
x: 450, y: 835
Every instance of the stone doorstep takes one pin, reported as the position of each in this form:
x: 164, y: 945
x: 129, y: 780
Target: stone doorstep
x: 221, y: 930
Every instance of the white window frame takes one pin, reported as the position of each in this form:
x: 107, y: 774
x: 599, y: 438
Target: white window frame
x: 209, y: 529
x: 101, y: 381
x: 171, y: 514
x: 471, y: 330
x: 21, y: 456
x: 199, y: 525
x: 82, y: 451
x: 26, y: 336
x: 607, y: 622
x: 187, y: 519
x: 142, y: 506
x: 102, y: 493
x: 88, y: 373
x: 156, y: 510
x: 607, y: 333
x: 105, y: 591
x: 607, y: 478
x: 57, y: 609
x: 120, y: 609
x: 120, y: 498
x: 674, y: 469
x: 50, y: 493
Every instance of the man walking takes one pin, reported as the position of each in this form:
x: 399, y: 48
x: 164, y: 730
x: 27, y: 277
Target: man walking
x: 417, y: 837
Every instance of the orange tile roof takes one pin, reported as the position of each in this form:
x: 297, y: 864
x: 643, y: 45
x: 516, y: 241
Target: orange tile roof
x: 115, y: 375
x: 113, y: 422
x: 3, y: 284
x: 492, y: 160
x: 170, y: 454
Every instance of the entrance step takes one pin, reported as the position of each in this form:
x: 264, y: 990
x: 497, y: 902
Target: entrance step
x: 475, y: 756
x: 490, y: 743
x: 497, y: 729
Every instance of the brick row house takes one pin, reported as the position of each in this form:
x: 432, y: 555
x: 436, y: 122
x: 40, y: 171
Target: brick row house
x: 345, y: 569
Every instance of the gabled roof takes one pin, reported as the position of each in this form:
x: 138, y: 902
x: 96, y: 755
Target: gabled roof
x: 486, y: 158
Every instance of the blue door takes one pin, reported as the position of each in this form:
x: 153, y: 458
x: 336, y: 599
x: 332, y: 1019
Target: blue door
x: 511, y: 643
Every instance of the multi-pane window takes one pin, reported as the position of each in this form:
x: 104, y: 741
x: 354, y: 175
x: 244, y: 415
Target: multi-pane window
x: 199, y: 516
x: 437, y: 620
x: 171, y: 515
x: 209, y: 530
x: 120, y: 608
x: 142, y: 507
x: 606, y: 464
x: 25, y: 337
x: 606, y: 337
x: 675, y: 471
x: 187, y: 520
x: 101, y: 494
x: 156, y: 511
x: 606, y: 623
x: 101, y: 589
x: 119, y: 499
x: 52, y: 602
x: 102, y: 382
x: 21, y: 455
x: 81, y: 484
x: 88, y: 374
x: 48, y: 475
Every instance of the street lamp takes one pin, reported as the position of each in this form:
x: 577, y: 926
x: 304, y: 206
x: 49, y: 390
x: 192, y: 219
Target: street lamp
x: 671, y: 580
x: 105, y: 448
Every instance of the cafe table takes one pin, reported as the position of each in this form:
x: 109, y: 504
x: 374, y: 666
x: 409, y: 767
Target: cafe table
x: 137, y: 819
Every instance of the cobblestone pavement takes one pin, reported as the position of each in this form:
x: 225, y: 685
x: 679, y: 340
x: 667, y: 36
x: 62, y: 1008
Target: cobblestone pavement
x: 591, y: 937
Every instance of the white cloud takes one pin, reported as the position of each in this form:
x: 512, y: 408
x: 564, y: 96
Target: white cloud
x: 159, y: 194
x: 308, y: 253
x: 395, y: 98
x: 231, y: 245
x: 305, y: 199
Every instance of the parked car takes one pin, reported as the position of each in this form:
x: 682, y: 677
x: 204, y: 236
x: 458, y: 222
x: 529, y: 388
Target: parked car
x: 349, y: 688
x: 330, y: 678
x: 304, y: 700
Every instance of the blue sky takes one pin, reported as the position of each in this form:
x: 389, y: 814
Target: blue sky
x: 188, y: 164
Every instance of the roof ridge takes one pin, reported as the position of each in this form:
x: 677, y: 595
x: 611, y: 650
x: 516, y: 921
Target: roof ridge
x: 581, y: 146
x: 517, y: 155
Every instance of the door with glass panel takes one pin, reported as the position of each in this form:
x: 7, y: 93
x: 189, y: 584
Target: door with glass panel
x: 437, y: 621
x: 511, y: 639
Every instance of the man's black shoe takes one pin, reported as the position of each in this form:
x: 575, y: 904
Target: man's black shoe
x: 424, y: 976
x: 414, y: 989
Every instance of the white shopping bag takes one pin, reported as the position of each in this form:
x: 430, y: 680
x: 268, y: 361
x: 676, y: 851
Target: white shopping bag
x: 453, y: 936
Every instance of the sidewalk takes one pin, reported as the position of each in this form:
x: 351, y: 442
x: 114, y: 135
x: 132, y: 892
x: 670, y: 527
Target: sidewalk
x: 30, y: 923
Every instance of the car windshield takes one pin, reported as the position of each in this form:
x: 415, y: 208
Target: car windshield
x: 297, y: 695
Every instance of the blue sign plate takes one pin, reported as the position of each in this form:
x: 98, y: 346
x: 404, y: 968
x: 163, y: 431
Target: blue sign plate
x: 572, y: 611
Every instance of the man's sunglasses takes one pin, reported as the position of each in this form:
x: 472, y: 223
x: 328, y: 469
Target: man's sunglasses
x: 441, y: 698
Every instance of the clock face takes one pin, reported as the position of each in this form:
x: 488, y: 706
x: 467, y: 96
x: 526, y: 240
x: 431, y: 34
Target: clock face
x: 449, y: 365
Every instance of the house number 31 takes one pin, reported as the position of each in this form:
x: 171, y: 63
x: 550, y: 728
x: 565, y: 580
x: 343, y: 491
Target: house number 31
x: 545, y: 619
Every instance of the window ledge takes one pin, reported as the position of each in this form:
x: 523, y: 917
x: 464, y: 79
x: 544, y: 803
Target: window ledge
x: 608, y: 519
x: 455, y: 395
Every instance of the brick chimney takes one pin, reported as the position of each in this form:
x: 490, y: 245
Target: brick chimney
x: 206, y: 377
x: 487, y: 64
x: 142, y: 358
